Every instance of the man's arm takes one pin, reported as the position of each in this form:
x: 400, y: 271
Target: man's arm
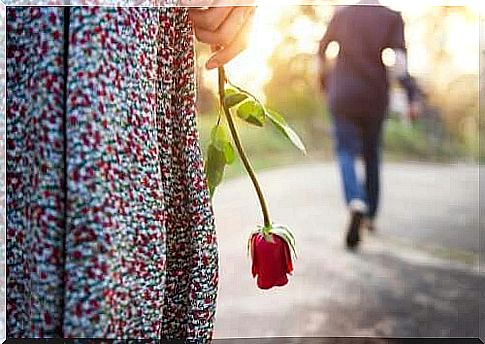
x: 412, y: 93
x: 397, y: 43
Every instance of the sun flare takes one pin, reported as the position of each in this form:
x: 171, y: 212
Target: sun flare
x: 252, y: 69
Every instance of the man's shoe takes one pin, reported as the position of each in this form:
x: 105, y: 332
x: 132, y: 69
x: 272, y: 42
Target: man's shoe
x: 353, y: 236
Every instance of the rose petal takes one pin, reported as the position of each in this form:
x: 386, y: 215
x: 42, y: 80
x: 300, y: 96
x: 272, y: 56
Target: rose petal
x: 288, y: 261
x: 254, y: 268
x: 271, y: 261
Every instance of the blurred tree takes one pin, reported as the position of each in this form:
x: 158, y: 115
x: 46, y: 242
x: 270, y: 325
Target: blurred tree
x: 454, y: 92
x: 293, y: 87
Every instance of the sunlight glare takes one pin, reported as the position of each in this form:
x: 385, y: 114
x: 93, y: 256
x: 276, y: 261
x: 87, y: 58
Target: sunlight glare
x: 332, y: 50
x: 388, y: 57
x: 251, y: 67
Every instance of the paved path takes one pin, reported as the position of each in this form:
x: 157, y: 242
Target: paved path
x: 417, y: 276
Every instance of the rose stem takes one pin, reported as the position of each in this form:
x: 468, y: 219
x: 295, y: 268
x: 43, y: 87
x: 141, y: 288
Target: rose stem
x: 240, y: 149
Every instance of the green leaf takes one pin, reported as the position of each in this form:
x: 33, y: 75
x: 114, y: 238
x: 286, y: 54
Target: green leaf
x: 214, y: 167
x: 281, y: 124
x: 219, y: 137
x: 228, y: 90
x: 252, y: 112
x: 229, y: 153
x: 235, y: 88
x: 220, y: 141
x: 234, y: 99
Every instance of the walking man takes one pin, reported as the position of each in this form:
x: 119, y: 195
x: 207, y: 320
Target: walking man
x: 357, y: 93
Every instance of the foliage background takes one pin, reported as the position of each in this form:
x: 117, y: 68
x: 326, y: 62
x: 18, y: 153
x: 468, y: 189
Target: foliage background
x: 443, y: 57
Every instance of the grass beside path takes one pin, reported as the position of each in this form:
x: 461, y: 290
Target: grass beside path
x: 267, y: 149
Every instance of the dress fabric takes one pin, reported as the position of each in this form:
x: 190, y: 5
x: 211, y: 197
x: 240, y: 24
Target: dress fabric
x: 110, y: 230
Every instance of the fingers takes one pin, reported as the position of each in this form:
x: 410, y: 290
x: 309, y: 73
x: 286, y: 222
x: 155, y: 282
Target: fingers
x: 210, y: 19
x: 227, y: 53
x: 224, y: 28
x: 227, y: 31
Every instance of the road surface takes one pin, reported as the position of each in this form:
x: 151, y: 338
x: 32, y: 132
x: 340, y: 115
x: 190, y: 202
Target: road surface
x: 417, y: 276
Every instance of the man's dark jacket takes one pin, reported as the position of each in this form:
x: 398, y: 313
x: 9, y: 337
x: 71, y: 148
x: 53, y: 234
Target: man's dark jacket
x: 358, y: 85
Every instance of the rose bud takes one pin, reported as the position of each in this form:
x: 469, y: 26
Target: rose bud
x: 271, y: 257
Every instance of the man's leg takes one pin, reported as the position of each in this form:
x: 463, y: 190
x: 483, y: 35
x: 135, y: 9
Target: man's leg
x: 372, y: 133
x: 348, y: 145
x: 347, y: 148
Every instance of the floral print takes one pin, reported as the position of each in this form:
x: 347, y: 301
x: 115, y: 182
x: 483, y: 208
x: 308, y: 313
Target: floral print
x: 109, y: 224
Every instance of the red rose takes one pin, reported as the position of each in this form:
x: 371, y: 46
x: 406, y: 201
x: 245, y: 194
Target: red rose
x: 270, y: 244
x: 271, y: 257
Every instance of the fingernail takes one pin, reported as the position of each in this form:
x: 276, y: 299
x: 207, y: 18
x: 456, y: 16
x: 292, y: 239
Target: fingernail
x: 211, y: 64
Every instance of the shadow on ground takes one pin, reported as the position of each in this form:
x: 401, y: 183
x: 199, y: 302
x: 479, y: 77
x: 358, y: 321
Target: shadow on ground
x: 394, y: 286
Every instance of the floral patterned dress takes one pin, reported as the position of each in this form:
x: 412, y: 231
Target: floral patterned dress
x: 110, y: 228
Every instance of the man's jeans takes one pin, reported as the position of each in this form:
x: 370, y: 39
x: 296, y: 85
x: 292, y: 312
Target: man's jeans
x: 359, y: 137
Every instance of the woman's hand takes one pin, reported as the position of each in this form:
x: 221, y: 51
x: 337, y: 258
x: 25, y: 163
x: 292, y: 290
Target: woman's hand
x: 224, y: 28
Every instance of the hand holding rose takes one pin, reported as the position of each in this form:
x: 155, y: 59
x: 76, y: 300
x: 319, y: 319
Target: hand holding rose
x: 225, y: 28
